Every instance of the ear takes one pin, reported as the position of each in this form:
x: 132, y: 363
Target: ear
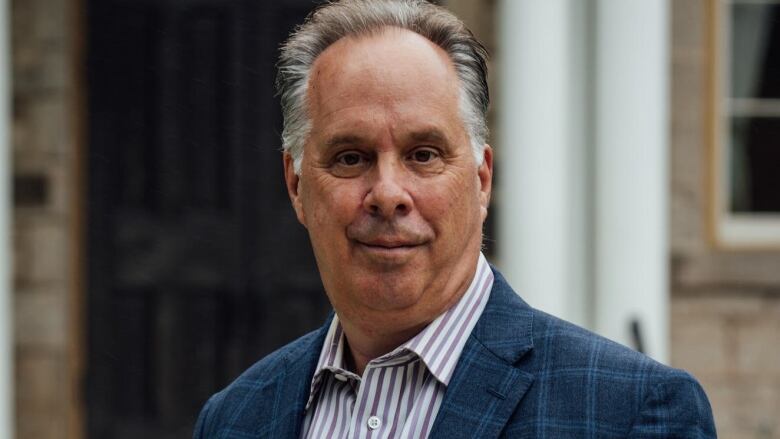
x: 485, y: 175
x: 293, y: 182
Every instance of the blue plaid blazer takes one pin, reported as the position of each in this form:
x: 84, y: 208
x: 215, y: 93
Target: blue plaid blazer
x: 522, y: 374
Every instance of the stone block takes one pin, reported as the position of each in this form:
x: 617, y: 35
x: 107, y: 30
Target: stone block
x: 687, y: 210
x: 41, y: 393
x: 728, y: 339
x: 40, y: 253
x: 745, y: 407
x: 733, y: 303
x: 51, y: 21
x: 40, y: 319
x: 699, y: 343
x: 688, y: 94
x: 758, y: 341
x: 44, y: 126
x: 688, y: 195
x: 689, y: 18
x: 33, y: 425
x: 754, y: 271
x: 41, y: 44
x: 22, y: 42
x: 41, y: 378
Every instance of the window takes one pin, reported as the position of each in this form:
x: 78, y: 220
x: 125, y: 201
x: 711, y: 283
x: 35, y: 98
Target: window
x: 747, y: 165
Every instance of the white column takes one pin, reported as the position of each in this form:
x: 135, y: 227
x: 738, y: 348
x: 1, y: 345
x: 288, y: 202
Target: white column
x: 581, y: 153
x: 542, y: 155
x: 632, y: 117
x: 6, y: 314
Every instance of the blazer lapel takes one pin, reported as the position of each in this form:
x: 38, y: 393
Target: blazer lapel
x: 293, y: 387
x: 487, y: 386
x: 482, y: 394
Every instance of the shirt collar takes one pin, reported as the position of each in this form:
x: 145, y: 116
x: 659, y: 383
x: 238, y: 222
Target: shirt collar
x: 439, y: 345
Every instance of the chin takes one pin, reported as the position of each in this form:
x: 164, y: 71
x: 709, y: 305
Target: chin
x: 390, y: 290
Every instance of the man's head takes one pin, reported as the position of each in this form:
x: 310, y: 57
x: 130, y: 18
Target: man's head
x: 387, y: 181
x: 364, y: 17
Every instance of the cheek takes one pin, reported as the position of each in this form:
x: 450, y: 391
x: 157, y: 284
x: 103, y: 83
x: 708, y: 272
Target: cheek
x: 453, y: 208
x: 331, y: 203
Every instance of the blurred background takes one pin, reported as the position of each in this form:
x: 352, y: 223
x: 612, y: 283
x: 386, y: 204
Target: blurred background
x: 148, y: 252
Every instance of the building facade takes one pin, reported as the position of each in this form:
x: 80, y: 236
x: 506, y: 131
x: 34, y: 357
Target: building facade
x: 724, y: 302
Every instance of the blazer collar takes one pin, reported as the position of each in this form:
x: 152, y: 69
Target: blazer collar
x: 488, y: 384
x: 506, y: 326
x: 299, y: 368
x: 485, y: 387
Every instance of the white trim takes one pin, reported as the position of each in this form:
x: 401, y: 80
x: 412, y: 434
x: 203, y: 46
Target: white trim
x: 6, y: 301
x: 756, y: 2
x: 750, y: 230
x: 750, y: 107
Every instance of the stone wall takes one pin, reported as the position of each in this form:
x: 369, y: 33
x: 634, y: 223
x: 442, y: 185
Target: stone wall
x: 725, y: 322
x: 44, y: 155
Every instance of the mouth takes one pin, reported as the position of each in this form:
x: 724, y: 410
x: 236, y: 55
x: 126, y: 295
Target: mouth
x: 388, y: 249
x: 388, y: 244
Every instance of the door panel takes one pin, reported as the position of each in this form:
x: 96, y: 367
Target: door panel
x: 197, y: 266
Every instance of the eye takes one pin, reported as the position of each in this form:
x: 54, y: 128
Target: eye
x: 423, y: 155
x: 350, y: 158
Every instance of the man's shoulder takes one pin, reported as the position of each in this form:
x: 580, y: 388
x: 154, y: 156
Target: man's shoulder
x: 256, y: 389
x: 566, y: 344
x: 577, y: 368
x: 561, y: 345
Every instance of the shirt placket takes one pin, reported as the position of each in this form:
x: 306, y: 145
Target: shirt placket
x: 366, y: 421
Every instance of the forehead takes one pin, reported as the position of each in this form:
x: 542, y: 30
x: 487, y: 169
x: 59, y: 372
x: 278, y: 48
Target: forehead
x: 394, y: 72
x: 385, y: 53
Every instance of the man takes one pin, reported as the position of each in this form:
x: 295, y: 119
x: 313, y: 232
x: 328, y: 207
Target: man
x: 387, y: 168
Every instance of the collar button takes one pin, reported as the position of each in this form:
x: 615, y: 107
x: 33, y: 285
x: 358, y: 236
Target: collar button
x: 340, y: 377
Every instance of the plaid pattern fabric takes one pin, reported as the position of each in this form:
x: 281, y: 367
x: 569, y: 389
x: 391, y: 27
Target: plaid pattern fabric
x: 522, y: 374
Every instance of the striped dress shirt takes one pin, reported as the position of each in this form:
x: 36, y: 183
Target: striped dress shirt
x: 399, y: 394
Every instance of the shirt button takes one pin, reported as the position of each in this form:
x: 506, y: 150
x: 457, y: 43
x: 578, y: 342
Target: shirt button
x: 374, y: 422
x: 340, y: 377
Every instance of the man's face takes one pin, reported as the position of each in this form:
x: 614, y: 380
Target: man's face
x: 389, y: 190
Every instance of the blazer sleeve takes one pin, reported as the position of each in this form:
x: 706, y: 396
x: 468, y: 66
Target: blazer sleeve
x: 675, y: 408
x: 204, y: 420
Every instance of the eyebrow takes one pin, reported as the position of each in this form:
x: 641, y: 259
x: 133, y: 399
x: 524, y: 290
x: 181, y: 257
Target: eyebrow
x: 432, y: 135
x: 429, y: 135
x: 344, y: 140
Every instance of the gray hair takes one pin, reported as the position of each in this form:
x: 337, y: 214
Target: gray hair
x: 337, y: 20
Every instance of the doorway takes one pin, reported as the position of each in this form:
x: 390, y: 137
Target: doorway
x: 196, y: 265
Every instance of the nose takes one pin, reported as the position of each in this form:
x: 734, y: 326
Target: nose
x: 388, y: 195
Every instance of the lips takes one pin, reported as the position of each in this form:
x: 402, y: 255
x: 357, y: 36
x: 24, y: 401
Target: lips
x: 384, y: 252
x: 389, y: 244
x: 389, y: 236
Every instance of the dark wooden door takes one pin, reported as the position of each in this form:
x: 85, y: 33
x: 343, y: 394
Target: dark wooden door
x: 196, y: 264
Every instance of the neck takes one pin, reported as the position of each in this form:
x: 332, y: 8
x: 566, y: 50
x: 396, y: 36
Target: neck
x: 364, y: 346
x: 371, y: 333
